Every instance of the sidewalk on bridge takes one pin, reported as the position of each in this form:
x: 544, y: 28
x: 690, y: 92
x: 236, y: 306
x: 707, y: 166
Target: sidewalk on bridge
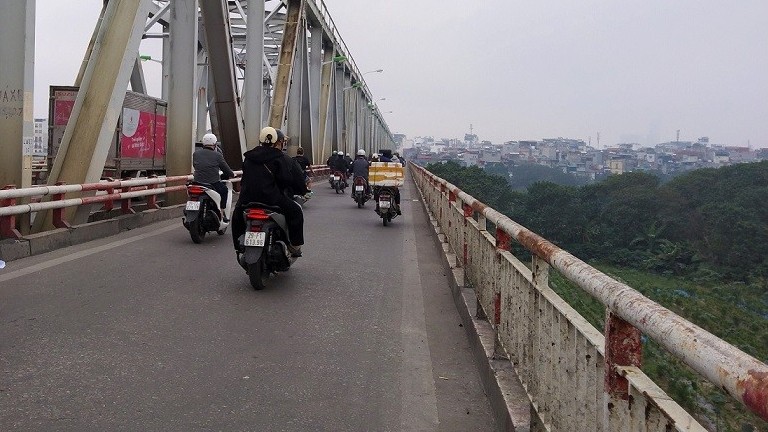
x: 509, y: 401
x: 36, y: 244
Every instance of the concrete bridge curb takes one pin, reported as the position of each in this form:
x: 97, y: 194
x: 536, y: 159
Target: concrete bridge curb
x: 509, y: 401
x: 35, y: 244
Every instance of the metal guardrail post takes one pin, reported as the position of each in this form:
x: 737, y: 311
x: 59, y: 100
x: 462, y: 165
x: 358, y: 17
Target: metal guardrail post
x: 467, y: 209
x: 152, y: 199
x: 125, y: 203
x: 109, y: 205
x: 503, y: 243
x: 8, y: 223
x: 58, y: 214
x: 623, y: 347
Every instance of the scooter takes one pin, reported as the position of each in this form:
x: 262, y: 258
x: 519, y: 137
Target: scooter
x: 386, y: 207
x: 338, y: 181
x: 360, y: 193
x: 264, y: 245
x: 203, y: 214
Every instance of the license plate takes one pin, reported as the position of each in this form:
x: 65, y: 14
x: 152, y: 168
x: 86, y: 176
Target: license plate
x: 359, y: 188
x: 384, y: 204
x: 255, y: 239
x: 337, y: 178
x: 193, y: 205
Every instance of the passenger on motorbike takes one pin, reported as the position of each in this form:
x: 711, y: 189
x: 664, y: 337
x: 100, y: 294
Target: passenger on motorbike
x: 207, y: 163
x: 304, y: 164
x: 360, y: 169
x: 271, y: 177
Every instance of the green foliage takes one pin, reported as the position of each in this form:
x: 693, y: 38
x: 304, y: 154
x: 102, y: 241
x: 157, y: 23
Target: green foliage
x: 708, y: 221
x: 525, y: 175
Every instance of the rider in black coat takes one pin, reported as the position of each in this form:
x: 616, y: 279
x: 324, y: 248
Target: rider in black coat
x: 271, y: 177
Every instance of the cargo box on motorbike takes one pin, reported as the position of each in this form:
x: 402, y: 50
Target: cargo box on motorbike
x: 386, y: 174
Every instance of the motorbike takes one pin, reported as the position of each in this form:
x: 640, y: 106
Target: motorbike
x: 338, y: 181
x: 264, y: 245
x: 386, y: 207
x: 360, y: 193
x: 203, y: 214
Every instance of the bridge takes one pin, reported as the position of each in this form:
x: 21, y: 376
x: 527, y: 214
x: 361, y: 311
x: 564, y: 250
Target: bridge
x: 113, y: 319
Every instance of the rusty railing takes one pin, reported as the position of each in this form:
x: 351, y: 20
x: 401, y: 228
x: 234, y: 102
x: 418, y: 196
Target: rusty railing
x: 576, y: 378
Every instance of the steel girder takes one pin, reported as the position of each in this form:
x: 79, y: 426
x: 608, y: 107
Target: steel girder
x: 91, y: 127
x: 17, y: 42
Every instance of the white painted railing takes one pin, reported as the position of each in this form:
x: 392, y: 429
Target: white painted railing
x: 576, y: 378
x: 103, y: 192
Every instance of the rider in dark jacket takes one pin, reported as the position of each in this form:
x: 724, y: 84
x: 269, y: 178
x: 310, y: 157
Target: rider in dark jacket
x: 271, y: 177
x: 360, y: 169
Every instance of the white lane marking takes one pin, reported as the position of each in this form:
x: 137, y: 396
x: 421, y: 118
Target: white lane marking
x: 77, y: 255
x: 419, y: 401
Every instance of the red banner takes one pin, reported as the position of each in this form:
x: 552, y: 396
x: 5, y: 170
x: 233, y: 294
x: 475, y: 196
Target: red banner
x: 160, y: 128
x: 143, y: 135
x: 64, y: 101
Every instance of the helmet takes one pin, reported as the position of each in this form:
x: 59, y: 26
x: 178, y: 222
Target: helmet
x: 300, y: 151
x: 349, y: 154
x: 340, y: 153
x: 268, y: 135
x: 209, y: 139
x: 361, y: 152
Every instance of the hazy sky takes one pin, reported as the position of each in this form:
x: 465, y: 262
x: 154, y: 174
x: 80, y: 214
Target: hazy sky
x: 632, y: 70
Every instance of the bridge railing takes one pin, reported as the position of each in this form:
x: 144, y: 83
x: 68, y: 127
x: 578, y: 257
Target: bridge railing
x: 576, y: 378
x: 106, y: 193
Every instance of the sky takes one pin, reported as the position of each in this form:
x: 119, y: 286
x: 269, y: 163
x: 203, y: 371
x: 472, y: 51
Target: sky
x: 631, y: 71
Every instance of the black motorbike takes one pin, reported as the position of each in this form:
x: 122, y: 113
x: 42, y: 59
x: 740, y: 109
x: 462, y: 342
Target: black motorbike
x: 360, y: 191
x: 264, y: 244
x: 386, y: 206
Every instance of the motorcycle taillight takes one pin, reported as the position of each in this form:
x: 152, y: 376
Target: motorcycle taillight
x: 195, y: 190
x: 256, y: 214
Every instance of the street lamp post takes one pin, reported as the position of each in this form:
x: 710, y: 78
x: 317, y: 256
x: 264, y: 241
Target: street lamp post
x: 149, y: 58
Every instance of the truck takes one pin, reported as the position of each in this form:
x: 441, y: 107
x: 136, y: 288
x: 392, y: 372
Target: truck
x: 138, y: 144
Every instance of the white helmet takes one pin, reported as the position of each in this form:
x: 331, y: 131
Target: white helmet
x: 209, y: 139
x: 349, y: 154
x: 268, y: 135
x: 340, y: 153
x: 361, y: 152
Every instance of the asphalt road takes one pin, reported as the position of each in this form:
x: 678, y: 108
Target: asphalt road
x: 148, y: 331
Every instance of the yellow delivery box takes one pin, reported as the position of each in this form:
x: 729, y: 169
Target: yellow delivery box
x: 386, y: 174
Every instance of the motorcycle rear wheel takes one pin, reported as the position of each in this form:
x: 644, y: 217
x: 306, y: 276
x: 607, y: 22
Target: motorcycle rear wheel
x: 196, y: 231
x: 256, y: 274
x: 385, y: 220
x: 338, y: 189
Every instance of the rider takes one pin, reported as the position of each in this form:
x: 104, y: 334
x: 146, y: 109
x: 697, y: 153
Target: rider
x: 339, y: 164
x: 304, y: 164
x: 268, y: 177
x: 360, y: 169
x: 386, y: 156
x: 207, y: 163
